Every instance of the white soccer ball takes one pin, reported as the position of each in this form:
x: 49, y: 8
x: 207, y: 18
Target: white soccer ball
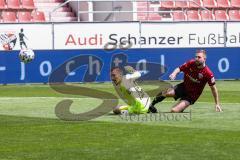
x: 26, y: 55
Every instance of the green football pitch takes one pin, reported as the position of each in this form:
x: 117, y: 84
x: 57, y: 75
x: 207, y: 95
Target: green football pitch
x: 29, y: 128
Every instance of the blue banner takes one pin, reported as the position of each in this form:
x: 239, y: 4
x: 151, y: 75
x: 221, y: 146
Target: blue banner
x: 94, y: 65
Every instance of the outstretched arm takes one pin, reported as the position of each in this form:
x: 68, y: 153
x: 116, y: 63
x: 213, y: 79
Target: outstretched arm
x: 173, y: 75
x: 129, y: 69
x: 132, y: 73
x: 216, y: 98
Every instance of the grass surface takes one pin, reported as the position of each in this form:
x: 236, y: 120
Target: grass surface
x: 29, y: 128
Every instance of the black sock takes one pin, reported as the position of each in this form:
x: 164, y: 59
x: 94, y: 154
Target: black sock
x: 158, y: 98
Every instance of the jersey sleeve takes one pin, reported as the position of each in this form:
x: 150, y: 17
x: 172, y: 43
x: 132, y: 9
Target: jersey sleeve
x: 210, y: 78
x: 133, y: 76
x: 186, y: 65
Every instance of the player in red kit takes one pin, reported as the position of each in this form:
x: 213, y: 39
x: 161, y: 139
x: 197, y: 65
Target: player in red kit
x: 196, y: 75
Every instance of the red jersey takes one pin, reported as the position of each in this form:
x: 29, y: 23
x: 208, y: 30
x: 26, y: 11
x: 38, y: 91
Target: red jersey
x: 196, y: 78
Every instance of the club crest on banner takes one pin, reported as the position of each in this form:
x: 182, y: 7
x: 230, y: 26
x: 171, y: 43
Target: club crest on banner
x: 8, y: 40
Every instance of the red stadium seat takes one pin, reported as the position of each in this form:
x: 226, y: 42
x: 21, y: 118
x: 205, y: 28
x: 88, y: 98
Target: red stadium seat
x: 192, y: 15
x: 28, y: 4
x: 9, y: 17
x: 13, y: 4
x: 167, y: 4
x: 38, y: 16
x: 223, y: 3
x: 195, y: 4
x: 24, y: 16
x: 220, y: 15
x: 154, y: 16
x: 181, y: 4
x: 209, y: 3
x: 178, y: 16
x: 235, y: 3
x: 234, y: 15
x: 206, y: 15
x: 3, y: 4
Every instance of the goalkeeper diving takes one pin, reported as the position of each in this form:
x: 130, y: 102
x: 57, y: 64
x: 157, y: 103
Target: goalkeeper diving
x: 137, y: 100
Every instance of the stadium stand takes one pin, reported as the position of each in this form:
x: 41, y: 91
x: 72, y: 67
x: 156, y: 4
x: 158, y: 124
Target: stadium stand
x: 63, y: 13
x: 178, y: 16
x: 167, y: 4
x: 195, y: 4
x: 223, y: 3
x: 181, y: 4
x: 197, y: 10
x: 192, y: 15
x: 235, y: 3
x: 221, y: 15
x: 204, y: 10
x: 145, y: 6
x: 9, y: 17
x: 28, y: 4
x: 38, y: 16
x: 234, y: 15
x: 13, y: 4
x: 3, y: 4
x: 34, y: 11
x: 209, y: 3
x: 156, y: 10
x: 206, y: 15
x: 24, y: 16
x: 154, y: 16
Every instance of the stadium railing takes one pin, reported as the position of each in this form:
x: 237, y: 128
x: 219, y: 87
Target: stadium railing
x: 159, y: 10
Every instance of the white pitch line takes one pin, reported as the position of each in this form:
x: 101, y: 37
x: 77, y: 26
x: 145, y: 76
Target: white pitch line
x: 75, y: 98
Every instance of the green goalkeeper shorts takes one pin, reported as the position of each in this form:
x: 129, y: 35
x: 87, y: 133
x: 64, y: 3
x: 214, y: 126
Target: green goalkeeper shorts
x: 137, y: 108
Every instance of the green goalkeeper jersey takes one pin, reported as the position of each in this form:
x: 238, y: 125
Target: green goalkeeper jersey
x: 133, y: 94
